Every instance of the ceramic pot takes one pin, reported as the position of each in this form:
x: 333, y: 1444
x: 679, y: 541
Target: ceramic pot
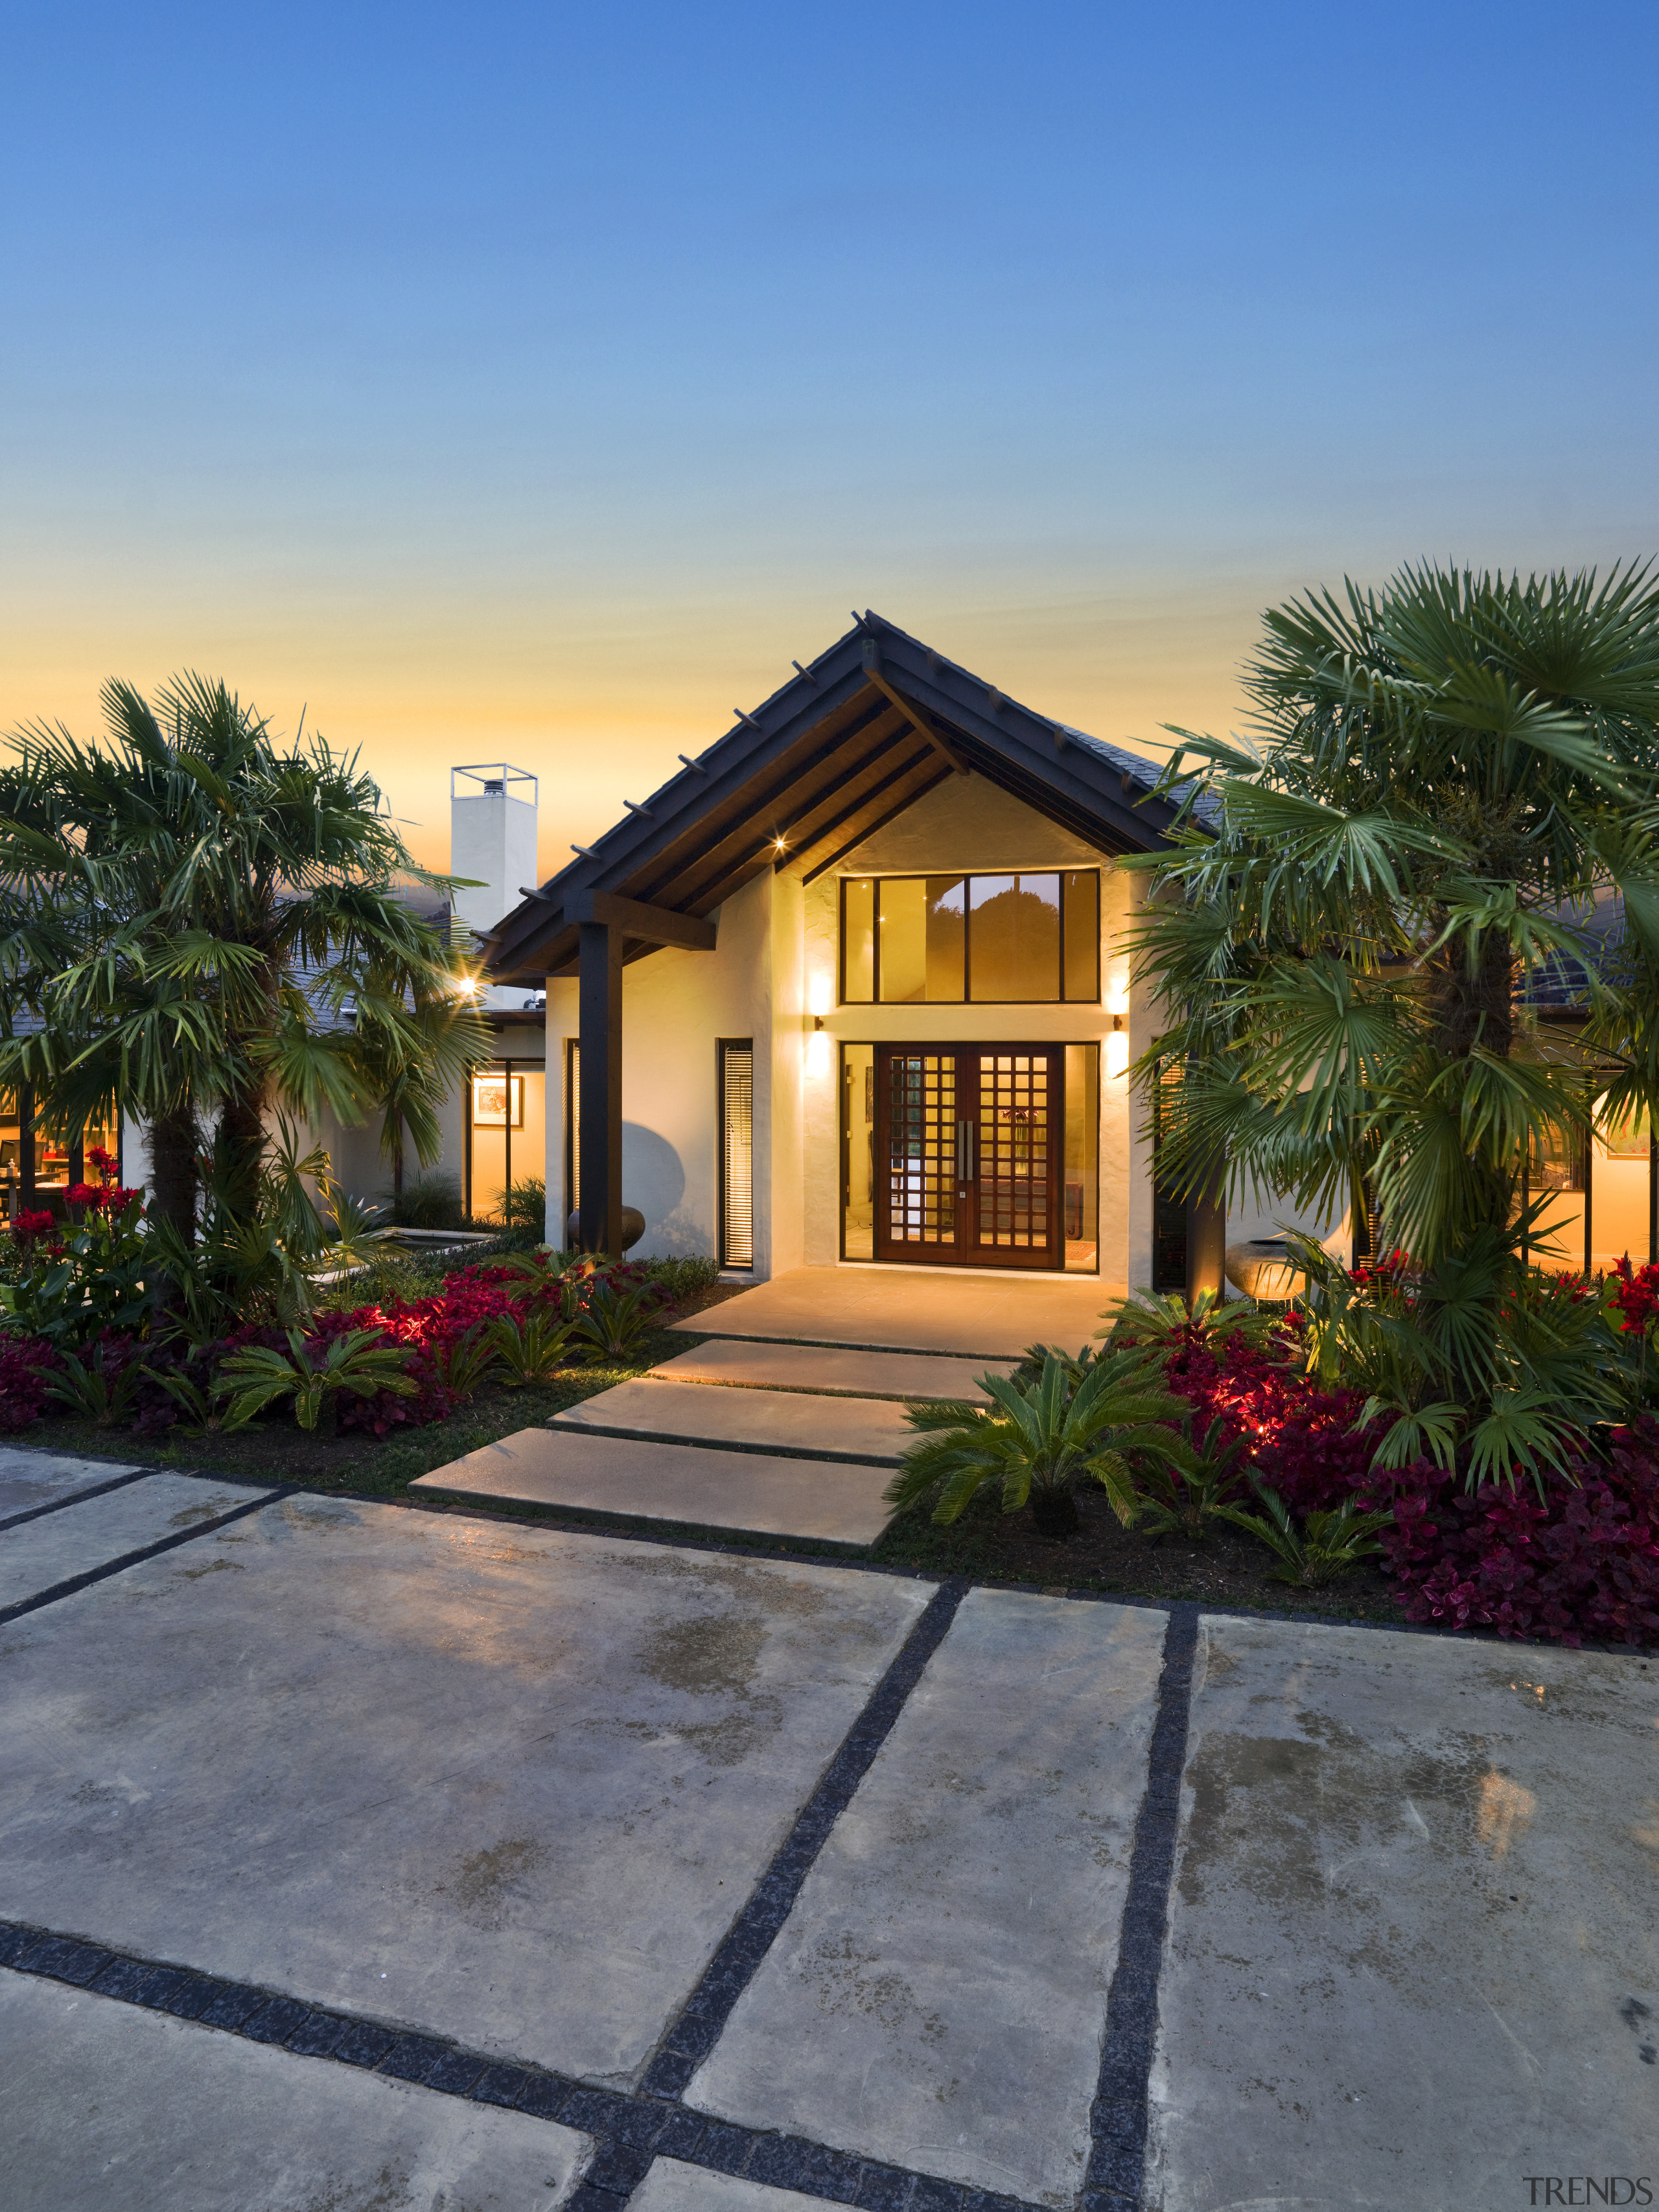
x: 1263, y: 1269
x: 633, y: 1225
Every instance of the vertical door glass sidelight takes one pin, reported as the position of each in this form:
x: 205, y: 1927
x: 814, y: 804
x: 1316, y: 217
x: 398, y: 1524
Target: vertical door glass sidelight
x: 858, y: 1152
x: 1082, y: 1179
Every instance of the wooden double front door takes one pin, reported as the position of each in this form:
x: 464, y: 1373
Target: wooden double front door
x: 969, y: 1144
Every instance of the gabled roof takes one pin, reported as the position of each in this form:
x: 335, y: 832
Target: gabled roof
x: 847, y: 744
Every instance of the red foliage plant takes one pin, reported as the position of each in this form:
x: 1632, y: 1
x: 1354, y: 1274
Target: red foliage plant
x: 1300, y: 1436
x: 23, y: 1391
x: 1582, y: 1564
x: 1585, y: 1562
x: 1637, y: 1296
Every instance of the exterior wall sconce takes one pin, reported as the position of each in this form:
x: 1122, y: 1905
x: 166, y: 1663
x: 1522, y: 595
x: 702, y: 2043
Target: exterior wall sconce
x: 1117, y: 1048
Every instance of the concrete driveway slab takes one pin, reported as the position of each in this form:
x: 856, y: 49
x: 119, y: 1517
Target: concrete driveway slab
x: 102, y: 2104
x: 87, y: 1535
x: 502, y: 1784
x: 817, y: 1367
x: 860, y: 1429
x: 1414, y: 1945
x: 29, y: 1478
x: 827, y: 1501
x: 938, y: 1996
x: 672, y: 2186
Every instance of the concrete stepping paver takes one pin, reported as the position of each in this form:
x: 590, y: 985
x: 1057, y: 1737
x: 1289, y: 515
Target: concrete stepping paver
x: 81, y: 1537
x: 29, y: 1478
x: 673, y: 2186
x: 945, y: 1310
x: 503, y: 1784
x: 824, y: 1501
x: 817, y: 1368
x: 938, y: 1996
x: 768, y: 1420
x: 102, y: 2104
x: 1413, y: 1924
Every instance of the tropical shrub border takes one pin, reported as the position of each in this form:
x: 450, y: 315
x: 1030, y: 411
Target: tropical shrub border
x: 91, y: 1332
x: 1564, y: 1548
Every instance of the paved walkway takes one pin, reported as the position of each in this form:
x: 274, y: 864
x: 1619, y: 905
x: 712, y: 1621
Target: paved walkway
x: 790, y: 1420
x: 976, y: 1313
x: 359, y: 1858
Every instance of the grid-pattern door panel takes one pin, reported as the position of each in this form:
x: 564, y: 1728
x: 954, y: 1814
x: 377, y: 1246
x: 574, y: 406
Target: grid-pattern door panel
x: 969, y: 1146
x: 1019, y: 1133
x: 916, y: 1155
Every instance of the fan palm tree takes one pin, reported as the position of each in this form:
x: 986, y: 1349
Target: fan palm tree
x: 207, y: 923
x: 1449, y: 792
x: 1441, y: 833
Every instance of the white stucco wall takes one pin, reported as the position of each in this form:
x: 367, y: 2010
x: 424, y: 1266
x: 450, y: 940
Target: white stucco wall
x: 675, y: 1005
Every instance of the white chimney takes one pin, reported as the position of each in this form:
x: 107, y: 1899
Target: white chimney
x: 492, y: 837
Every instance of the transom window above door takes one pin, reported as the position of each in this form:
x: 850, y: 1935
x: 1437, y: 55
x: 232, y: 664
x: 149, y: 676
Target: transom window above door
x: 957, y: 940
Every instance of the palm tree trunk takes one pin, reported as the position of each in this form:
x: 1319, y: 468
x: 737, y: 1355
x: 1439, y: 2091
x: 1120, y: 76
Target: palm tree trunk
x: 1477, y: 1011
x: 241, y: 1146
x: 175, y: 1175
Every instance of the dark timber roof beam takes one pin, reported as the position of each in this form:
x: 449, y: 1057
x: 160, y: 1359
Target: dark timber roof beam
x: 912, y: 714
x: 649, y: 925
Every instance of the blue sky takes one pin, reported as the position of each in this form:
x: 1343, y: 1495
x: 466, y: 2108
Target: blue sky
x: 535, y: 383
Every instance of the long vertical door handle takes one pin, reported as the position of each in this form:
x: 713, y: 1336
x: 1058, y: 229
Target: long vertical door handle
x: 964, y: 1151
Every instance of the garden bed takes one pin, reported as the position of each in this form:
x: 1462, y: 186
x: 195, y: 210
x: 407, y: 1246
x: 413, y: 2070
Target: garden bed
x: 1227, y: 1571
x: 356, y: 1460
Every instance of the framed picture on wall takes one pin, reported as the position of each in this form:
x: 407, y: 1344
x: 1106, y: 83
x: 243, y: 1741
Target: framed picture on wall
x: 1626, y: 1139
x: 498, y: 1101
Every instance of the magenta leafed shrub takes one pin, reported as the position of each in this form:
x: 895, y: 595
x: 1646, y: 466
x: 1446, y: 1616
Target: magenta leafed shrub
x: 1584, y: 1563
x: 1300, y: 1437
x: 23, y: 1392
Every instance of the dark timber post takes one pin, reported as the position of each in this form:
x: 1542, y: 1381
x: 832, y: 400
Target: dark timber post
x: 598, y: 1199
x: 1206, y: 1240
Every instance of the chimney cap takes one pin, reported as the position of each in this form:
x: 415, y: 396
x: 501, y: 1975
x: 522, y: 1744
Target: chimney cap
x: 493, y: 779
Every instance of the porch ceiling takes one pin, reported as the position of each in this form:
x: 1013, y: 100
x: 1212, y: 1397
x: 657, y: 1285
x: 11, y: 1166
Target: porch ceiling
x: 847, y: 745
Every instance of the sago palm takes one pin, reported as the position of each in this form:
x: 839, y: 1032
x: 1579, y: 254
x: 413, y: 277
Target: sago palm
x: 1040, y: 1436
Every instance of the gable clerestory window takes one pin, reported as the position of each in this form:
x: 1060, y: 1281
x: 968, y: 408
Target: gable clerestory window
x: 1024, y: 939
